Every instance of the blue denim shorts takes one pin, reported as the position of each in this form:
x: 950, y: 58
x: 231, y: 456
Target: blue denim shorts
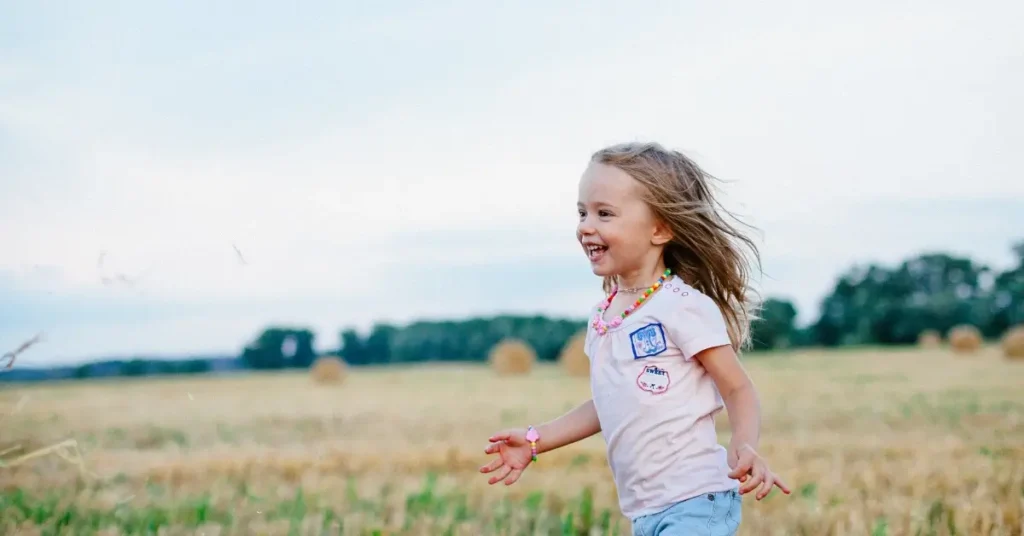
x: 710, y: 514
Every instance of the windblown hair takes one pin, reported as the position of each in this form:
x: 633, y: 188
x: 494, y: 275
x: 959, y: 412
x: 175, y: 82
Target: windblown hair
x: 706, y: 251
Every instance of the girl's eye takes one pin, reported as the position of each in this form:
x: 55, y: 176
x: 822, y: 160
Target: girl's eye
x: 604, y: 214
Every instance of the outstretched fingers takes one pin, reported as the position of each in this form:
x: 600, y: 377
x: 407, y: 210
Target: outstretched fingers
x: 500, y: 444
x: 500, y: 475
x: 771, y: 480
x: 492, y: 466
x: 782, y: 485
x: 756, y: 477
x: 504, y: 435
x: 513, y: 477
x: 765, y: 488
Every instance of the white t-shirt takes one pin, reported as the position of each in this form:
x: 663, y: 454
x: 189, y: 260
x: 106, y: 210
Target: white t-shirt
x: 656, y: 403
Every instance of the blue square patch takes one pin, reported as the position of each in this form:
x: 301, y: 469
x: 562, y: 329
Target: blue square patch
x: 648, y: 341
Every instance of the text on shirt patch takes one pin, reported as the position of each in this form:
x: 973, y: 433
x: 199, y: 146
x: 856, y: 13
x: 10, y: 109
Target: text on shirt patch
x: 648, y: 341
x: 653, y: 379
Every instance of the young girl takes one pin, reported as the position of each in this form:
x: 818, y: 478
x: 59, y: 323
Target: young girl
x: 662, y: 347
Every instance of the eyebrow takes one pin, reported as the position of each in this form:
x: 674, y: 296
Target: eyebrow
x: 598, y: 204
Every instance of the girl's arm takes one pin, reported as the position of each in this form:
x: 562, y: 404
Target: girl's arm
x: 744, y: 409
x: 513, y: 449
x: 578, y: 424
x: 738, y: 393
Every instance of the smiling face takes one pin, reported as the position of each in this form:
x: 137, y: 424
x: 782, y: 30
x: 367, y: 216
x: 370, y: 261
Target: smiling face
x: 618, y: 231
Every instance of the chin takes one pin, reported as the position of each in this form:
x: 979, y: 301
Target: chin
x: 602, y: 271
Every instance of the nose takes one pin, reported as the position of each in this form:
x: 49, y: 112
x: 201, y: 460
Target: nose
x: 584, y: 228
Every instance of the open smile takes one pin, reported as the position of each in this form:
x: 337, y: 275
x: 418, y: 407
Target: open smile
x: 595, y: 251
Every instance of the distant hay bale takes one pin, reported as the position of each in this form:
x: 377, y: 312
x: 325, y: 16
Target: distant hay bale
x: 573, y: 359
x: 1013, y: 343
x: 329, y: 369
x: 964, y: 339
x: 512, y: 357
x: 929, y: 338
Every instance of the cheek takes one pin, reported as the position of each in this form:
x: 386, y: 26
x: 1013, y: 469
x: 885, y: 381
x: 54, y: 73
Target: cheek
x: 624, y: 235
x: 609, y: 235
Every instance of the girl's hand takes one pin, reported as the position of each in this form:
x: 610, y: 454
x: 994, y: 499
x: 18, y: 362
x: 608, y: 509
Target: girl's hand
x: 514, y: 455
x: 750, y: 468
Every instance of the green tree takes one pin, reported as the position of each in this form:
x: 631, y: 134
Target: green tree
x: 353, y: 349
x: 776, y: 326
x: 378, y: 343
x: 1008, y: 295
x: 278, y: 348
x: 880, y: 305
x: 134, y: 367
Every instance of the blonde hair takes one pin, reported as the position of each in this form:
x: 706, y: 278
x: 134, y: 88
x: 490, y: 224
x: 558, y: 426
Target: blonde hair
x: 706, y: 251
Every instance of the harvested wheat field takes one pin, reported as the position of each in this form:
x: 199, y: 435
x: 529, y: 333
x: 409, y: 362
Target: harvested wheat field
x: 914, y: 442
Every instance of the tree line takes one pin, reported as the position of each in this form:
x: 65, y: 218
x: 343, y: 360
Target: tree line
x: 871, y: 304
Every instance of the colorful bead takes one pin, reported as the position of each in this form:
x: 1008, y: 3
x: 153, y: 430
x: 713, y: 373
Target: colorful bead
x: 598, y: 321
x: 532, y: 436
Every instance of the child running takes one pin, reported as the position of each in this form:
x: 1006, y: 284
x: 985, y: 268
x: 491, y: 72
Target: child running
x: 662, y: 347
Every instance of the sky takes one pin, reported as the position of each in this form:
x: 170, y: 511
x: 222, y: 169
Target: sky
x: 338, y: 164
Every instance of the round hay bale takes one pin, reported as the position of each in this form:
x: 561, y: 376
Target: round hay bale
x: 1013, y: 343
x: 512, y: 357
x: 328, y: 369
x: 572, y: 359
x: 929, y: 338
x: 964, y: 339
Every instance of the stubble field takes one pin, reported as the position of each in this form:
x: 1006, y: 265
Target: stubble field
x: 872, y: 442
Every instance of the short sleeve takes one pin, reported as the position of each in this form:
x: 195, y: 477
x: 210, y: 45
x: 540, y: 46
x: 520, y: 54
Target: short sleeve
x: 696, y: 324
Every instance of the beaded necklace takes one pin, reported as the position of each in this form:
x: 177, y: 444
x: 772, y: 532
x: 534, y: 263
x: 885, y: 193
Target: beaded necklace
x: 598, y: 322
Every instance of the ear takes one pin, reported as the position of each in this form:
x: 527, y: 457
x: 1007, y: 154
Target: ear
x: 662, y: 234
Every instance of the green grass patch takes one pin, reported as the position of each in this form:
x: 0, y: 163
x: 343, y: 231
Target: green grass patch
x: 429, y: 507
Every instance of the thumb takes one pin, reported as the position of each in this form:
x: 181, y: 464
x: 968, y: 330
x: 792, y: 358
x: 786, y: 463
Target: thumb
x: 743, y: 464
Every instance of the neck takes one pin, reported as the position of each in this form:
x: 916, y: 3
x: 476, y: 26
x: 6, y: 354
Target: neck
x: 641, y: 278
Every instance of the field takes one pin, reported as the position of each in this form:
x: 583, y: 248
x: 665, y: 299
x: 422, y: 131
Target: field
x: 873, y: 442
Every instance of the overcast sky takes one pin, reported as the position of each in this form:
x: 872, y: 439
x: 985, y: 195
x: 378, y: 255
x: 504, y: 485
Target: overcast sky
x: 421, y: 160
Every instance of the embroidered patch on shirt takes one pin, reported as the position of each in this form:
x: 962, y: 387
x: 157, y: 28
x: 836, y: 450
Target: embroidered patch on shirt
x: 653, y: 379
x: 648, y: 341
